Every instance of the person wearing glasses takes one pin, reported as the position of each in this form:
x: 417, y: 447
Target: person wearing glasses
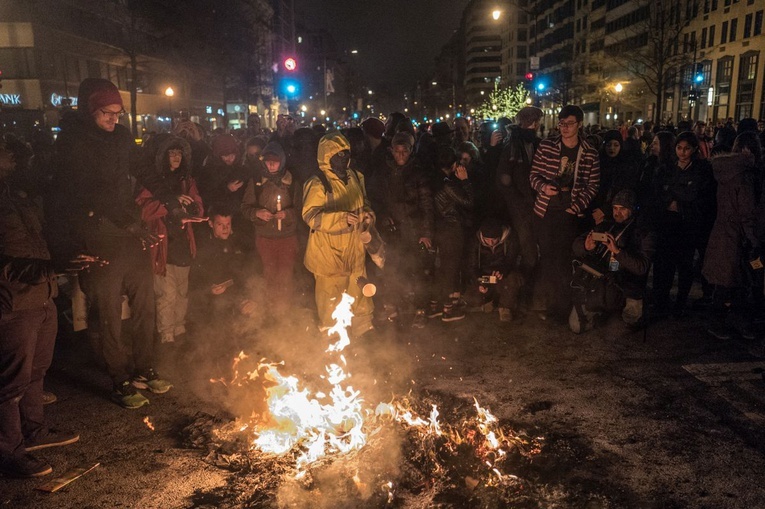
x: 97, y: 165
x: 565, y: 174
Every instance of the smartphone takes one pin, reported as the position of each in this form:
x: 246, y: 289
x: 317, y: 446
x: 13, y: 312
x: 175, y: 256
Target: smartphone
x: 599, y: 237
x: 487, y: 280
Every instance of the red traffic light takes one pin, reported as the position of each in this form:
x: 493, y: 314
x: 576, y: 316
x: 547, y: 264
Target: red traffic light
x: 529, y: 76
x: 290, y: 64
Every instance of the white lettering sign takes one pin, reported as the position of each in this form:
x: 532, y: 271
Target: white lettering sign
x: 11, y: 99
x: 56, y: 100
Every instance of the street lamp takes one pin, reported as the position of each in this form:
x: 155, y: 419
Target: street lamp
x: 169, y: 93
x: 495, y: 14
x: 618, y: 88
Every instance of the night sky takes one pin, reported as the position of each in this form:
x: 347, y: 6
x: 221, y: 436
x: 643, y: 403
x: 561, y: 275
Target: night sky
x: 397, y: 40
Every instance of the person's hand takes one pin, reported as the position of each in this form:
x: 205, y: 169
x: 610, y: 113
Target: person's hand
x: 234, y: 185
x: 483, y: 289
x: 280, y: 215
x: 611, y: 244
x: 352, y: 218
x: 672, y: 206
x: 497, y: 274
x: 550, y: 190
x: 193, y: 219
x: 148, y: 240
x: 460, y: 172
x: 247, y: 307
x: 425, y: 241
x: 598, y: 216
x: 83, y: 261
x: 264, y: 215
x: 589, y: 244
x: 496, y: 138
x: 185, y: 200
x: 218, y: 289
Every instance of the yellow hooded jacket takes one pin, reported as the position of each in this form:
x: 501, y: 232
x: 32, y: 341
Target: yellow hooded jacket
x: 334, y: 248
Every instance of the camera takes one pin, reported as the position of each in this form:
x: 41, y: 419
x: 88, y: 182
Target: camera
x: 599, y: 237
x: 487, y: 280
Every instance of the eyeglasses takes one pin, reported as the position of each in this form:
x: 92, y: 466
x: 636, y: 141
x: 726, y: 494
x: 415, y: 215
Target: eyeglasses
x: 567, y: 124
x: 112, y: 114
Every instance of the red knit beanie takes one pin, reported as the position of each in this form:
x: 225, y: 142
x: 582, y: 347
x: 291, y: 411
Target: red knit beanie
x: 98, y: 93
x: 224, y: 145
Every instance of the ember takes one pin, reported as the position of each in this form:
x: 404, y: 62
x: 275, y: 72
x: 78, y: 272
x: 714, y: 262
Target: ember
x: 373, y: 454
x: 148, y: 423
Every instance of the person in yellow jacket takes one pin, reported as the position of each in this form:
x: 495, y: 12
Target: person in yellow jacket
x: 335, y: 205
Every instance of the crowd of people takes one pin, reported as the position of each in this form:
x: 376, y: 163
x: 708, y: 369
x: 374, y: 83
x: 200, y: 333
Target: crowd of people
x: 441, y: 219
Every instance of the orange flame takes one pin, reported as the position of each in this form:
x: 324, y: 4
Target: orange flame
x: 148, y: 423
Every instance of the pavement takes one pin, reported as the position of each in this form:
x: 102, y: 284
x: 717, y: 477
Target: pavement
x: 670, y: 420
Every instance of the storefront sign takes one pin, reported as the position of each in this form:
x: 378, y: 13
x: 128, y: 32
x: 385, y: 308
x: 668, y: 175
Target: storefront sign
x: 10, y: 99
x: 58, y: 100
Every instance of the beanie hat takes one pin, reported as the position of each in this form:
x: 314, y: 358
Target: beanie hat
x: 224, y: 145
x: 612, y: 135
x: 747, y: 124
x: 625, y: 198
x: 96, y: 93
x: 491, y: 228
x: 402, y: 138
x: 373, y: 127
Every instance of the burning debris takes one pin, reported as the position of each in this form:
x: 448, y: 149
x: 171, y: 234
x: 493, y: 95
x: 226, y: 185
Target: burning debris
x: 148, y: 423
x: 298, y: 445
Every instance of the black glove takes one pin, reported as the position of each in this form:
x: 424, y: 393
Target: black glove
x: 148, y: 239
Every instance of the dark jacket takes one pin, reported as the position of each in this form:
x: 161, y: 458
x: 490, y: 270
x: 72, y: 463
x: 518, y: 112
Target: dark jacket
x: 403, y: 195
x: 616, y: 174
x: 27, y: 279
x: 265, y: 192
x: 483, y: 260
x: 637, y: 246
x: 693, y: 189
x: 515, y: 167
x: 214, y: 180
x: 454, y: 201
x: 732, y: 241
x: 96, y: 175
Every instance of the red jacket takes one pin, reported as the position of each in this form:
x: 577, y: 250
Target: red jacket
x: 153, y: 214
x: 546, y: 166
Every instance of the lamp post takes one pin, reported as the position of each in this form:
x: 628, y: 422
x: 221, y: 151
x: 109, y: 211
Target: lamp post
x: 169, y: 93
x: 618, y: 88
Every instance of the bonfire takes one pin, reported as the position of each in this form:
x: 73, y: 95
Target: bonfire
x: 306, y: 441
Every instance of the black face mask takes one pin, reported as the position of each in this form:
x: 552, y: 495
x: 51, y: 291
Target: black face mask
x: 339, y: 164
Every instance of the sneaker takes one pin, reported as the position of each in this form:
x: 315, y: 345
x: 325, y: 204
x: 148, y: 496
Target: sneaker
x: 419, y: 319
x: 48, y: 398
x: 48, y: 437
x: 126, y: 396
x: 452, y: 314
x: 505, y: 315
x: 24, y: 465
x: 719, y: 332
x: 152, y: 382
x: 434, y: 310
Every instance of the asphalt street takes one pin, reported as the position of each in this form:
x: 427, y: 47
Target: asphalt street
x: 672, y: 420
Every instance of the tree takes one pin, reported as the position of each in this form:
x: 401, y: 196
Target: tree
x: 654, y: 50
x: 503, y: 102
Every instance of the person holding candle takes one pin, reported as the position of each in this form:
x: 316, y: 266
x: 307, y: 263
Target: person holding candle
x: 270, y: 203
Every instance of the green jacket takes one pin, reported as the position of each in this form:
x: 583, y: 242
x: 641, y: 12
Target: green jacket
x: 334, y: 248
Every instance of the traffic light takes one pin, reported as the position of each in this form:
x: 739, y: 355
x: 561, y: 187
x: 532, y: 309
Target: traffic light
x: 529, y: 81
x: 290, y: 64
x: 698, y: 75
x: 290, y: 88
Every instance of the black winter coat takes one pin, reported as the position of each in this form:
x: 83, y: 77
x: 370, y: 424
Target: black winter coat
x: 454, y: 201
x: 515, y: 167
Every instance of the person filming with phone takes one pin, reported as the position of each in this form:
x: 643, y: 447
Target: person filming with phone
x: 611, y: 267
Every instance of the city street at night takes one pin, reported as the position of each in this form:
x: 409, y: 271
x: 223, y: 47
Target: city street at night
x: 674, y: 421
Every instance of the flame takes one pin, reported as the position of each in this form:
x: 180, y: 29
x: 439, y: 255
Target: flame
x: 148, y: 423
x: 319, y: 424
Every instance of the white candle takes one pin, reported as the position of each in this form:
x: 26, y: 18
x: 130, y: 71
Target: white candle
x: 279, y: 209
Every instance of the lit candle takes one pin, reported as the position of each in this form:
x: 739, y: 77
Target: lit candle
x: 279, y: 209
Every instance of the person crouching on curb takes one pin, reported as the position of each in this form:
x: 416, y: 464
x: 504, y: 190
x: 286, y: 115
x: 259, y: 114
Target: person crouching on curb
x: 615, y: 260
x: 335, y: 204
x: 491, y: 265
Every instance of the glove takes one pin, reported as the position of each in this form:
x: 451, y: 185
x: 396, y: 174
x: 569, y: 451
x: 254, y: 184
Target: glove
x: 148, y: 240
